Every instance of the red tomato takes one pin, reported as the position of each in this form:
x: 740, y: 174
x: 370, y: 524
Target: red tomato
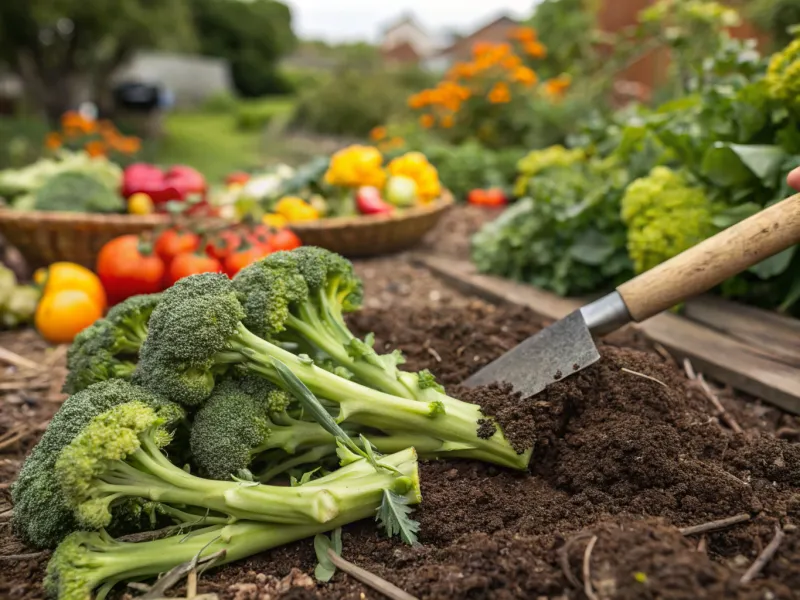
x: 237, y: 177
x: 477, y: 197
x: 128, y: 267
x: 260, y: 234
x: 173, y: 242
x: 247, y: 254
x: 285, y: 239
x: 495, y: 197
x: 223, y: 244
x: 191, y: 263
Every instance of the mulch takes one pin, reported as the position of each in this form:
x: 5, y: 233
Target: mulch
x: 626, y: 453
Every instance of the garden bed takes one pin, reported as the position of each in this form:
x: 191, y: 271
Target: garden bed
x: 618, y: 456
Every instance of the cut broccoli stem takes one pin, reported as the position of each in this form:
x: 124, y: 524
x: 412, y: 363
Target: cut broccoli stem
x: 85, y: 561
x: 359, y: 404
x: 118, y: 456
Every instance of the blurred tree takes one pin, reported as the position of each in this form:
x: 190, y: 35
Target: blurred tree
x: 57, y: 45
x: 776, y: 17
x: 251, y: 35
x: 566, y: 28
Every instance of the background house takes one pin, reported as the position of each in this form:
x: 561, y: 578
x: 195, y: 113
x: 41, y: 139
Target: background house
x: 495, y: 32
x: 406, y: 41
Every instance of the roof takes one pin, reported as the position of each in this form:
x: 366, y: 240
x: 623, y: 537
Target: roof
x: 402, y: 53
x: 407, y: 18
x: 502, y: 19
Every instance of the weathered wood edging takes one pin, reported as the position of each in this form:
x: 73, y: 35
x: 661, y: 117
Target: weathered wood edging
x: 749, y: 349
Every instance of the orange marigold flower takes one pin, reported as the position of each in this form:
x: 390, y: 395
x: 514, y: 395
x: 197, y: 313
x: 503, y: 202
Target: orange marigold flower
x: 95, y: 148
x: 128, y: 145
x: 481, y: 48
x: 427, y: 121
x: 377, y: 133
x: 53, y: 141
x: 523, y: 34
x: 558, y: 86
x: 72, y: 120
x: 447, y: 121
x: 525, y: 76
x: 500, y: 94
x: 534, y: 49
x: 511, y: 62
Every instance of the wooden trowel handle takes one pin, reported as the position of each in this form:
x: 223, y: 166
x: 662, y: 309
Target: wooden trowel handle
x: 714, y: 260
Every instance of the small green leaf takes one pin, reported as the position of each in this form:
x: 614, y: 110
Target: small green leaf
x: 733, y: 214
x: 774, y: 265
x: 724, y: 168
x: 325, y: 570
x: 394, y: 515
x: 763, y: 161
x: 592, y: 248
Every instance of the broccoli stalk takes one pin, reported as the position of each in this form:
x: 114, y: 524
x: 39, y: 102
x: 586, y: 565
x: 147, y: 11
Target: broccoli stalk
x: 108, y: 349
x: 118, y: 456
x: 196, y: 333
x: 88, y: 560
x: 301, y: 297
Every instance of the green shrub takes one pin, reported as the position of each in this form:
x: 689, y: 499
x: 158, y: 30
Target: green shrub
x: 221, y: 103
x: 353, y: 101
x: 253, y: 115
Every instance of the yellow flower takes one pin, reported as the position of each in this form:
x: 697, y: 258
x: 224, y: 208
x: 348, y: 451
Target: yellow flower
x: 500, y: 94
x: 377, y: 134
x: 356, y: 166
x: 415, y: 165
x: 427, y: 121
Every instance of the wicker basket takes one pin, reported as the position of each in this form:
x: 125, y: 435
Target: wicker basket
x: 47, y: 237
x: 364, y: 236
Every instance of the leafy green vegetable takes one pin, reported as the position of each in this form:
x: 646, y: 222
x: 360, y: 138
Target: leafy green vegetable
x: 394, y: 515
x: 325, y: 570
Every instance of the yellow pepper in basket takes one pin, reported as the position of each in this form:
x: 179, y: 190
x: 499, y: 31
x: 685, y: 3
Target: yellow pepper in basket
x: 274, y: 220
x: 356, y: 166
x: 415, y: 165
x: 295, y: 209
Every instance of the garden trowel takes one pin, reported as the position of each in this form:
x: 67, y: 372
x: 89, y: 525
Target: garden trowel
x: 568, y: 345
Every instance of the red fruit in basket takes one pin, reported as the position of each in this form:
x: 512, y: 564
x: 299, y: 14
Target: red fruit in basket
x: 148, y: 179
x: 191, y: 263
x: 369, y: 202
x: 127, y: 266
x: 285, y: 239
x: 172, y: 242
x: 248, y: 253
x: 186, y: 180
x: 223, y: 244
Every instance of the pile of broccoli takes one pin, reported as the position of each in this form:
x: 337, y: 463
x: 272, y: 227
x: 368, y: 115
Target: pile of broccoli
x: 194, y: 408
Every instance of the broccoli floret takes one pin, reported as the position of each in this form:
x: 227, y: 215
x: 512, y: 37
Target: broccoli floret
x: 196, y: 334
x: 41, y: 515
x: 109, y: 348
x: 85, y: 561
x: 73, y: 191
x: 244, y: 418
x: 115, y: 463
x: 300, y: 297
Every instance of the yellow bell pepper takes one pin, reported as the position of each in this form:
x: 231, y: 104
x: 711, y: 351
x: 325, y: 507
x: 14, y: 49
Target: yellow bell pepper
x: 415, y: 165
x: 274, y: 220
x: 295, y: 209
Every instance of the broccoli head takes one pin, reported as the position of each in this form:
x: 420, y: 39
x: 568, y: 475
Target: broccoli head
x: 109, y: 347
x: 74, y: 191
x: 665, y: 215
x: 42, y: 516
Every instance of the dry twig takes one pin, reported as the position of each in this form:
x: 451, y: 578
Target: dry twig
x: 191, y: 584
x: 715, y: 525
x: 712, y: 397
x: 587, y: 569
x: 378, y: 584
x: 702, y: 545
x: 31, y: 556
x: 174, y: 575
x: 12, y: 436
x: 763, y: 558
x: 434, y: 354
x: 563, y: 558
x: 15, y: 360
x: 632, y: 372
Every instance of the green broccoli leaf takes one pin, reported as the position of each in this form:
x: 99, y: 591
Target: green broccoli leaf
x: 394, y: 515
x: 325, y: 570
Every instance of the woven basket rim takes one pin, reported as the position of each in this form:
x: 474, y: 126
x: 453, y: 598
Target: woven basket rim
x: 438, y: 205
x: 66, y: 218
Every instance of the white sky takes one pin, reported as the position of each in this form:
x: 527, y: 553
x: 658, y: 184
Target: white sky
x: 349, y: 20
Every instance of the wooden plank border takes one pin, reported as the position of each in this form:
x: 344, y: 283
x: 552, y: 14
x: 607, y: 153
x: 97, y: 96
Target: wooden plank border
x: 727, y: 359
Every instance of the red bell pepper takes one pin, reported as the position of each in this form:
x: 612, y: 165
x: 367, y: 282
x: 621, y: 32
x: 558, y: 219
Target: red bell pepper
x: 369, y: 202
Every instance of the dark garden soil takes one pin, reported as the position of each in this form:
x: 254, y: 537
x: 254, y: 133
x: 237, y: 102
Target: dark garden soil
x: 626, y: 452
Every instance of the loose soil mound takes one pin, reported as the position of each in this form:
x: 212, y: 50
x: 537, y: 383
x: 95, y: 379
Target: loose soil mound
x: 626, y: 452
